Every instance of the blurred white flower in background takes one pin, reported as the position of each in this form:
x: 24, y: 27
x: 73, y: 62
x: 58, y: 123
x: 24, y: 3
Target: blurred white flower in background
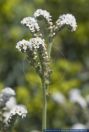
x: 75, y: 96
x: 58, y: 98
x: 78, y: 126
x: 9, y: 108
x: 19, y: 110
x: 5, y: 95
x: 8, y: 92
x: 11, y: 103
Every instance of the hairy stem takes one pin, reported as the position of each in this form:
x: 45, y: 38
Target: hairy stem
x: 49, y: 49
x: 44, y: 112
x: 50, y: 46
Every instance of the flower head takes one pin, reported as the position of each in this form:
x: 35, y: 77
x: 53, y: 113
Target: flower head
x: 16, y: 111
x: 19, y: 110
x: 45, y: 14
x: 36, y: 42
x: 8, y: 91
x: 32, y: 43
x: 23, y: 45
x: 31, y: 22
x: 67, y: 19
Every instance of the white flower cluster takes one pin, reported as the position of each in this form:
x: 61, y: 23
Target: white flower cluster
x: 5, y: 95
x: 10, y: 107
x: 31, y: 22
x: 34, y: 42
x: 8, y: 91
x: 23, y: 45
x: 45, y: 14
x: 16, y: 110
x: 19, y: 110
x: 67, y: 19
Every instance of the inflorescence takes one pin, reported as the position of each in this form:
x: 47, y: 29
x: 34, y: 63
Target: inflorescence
x: 45, y: 14
x: 9, y: 109
x: 31, y: 22
x: 36, y: 48
x: 66, y: 19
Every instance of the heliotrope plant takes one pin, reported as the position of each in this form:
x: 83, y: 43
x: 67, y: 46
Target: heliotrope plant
x: 9, y: 110
x: 38, y: 48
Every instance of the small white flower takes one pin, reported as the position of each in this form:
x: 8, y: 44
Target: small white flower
x: 45, y: 14
x: 23, y: 45
x: 31, y: 23
x: 67, y: 19
x: 36, y: 42
x: 19, y: 110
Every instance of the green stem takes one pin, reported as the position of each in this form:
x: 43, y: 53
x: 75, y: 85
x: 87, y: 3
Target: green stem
x: 44, y: 113
x: 50, y: 44
x: 44, y: 90
x: 49, y: 49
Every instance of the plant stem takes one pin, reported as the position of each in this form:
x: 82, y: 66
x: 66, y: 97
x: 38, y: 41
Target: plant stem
x: 44, y: 113
x: 49, y: 49
x: 50, y: 44
x: 44, y: 90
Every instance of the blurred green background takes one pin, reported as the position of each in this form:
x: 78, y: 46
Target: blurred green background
x: 70, y: 58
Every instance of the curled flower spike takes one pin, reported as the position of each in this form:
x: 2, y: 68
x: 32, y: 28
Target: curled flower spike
x: 37, y: 55
x: 67, y: 19
x: 23, y: 45
x: 31, y: 22
x: 45, y: 14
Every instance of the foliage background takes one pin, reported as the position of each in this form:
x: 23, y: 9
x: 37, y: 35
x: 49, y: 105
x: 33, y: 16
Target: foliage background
x: 70, y: 58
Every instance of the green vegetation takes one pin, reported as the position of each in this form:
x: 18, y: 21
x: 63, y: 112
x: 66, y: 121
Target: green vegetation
x: 70, y: 58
